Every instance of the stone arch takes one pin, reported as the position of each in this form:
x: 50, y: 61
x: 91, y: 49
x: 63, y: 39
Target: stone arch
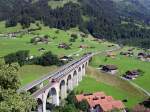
x: 39, y: 105
x: 63, y: 89
x: 83, y: 69
x: 79, y: 69
x: 69, y: 83
x: 75, y: 78
x: 83, y: 66
x: 79, y: 73
x: 86, y: 64
x: 52, y: 96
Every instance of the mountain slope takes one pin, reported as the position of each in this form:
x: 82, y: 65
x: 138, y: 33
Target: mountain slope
x: 123, y: 21
x: 134, y: 8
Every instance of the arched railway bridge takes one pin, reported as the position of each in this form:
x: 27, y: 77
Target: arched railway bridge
x: 59, y: 83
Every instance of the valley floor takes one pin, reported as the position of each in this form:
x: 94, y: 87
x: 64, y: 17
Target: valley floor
x: 113, y: 86
x: 95, y: 80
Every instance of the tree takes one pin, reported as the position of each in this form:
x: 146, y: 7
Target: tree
x: 8, y: 77
x: 11, y: 22
x: 83, y: 105
x: 20, y: 57
x: 71, y: 98
x: 48, y: 59
x: 10, y: 100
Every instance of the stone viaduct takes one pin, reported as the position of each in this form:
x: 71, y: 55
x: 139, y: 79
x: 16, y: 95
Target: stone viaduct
x: 58, y: 83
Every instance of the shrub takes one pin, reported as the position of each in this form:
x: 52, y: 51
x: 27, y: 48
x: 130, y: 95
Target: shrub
x: 48, y: 59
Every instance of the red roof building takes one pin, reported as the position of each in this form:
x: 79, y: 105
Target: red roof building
x: 103, y: 102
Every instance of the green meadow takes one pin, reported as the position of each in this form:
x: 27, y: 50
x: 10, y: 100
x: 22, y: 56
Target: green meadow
x: 89, y: 85
x: 23, y: 43
x: 96, y: 81
x: 124, y: 64
x: 28, y: 73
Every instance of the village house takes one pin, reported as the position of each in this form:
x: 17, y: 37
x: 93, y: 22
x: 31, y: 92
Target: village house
x: 41, y: 49
x: 133, y: 74
x: 83, y: 46
x: 66, y: 58
x: 127, y: 53
x: 144, y: 57
x: 63, y: 45
x: 111, y: 69
x: 39, y: 39
x: 111, y: 55
x: 99, y: 102
x: 111, y: 45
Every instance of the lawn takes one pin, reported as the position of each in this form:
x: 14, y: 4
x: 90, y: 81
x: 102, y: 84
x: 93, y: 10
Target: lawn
x: 29, y: 73
x: 127, y: 63
x: 89, y: 84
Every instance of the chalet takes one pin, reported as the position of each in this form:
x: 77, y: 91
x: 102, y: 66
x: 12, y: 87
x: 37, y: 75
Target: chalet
x: 127, y: 53
x: 83, y: 46
x: 111, y: 54
x: 66, y: 58
x: 111, y: 45
x: 87, y: 53
x: 131, y: 49
x: 41, y: 49
x: 148, y: 58
x: 99, y: 102
x: 132, y: 74
x: 141, y: 55
x: 111, y: 69
x: 63, y: 45
x: 144, y: 57
x: 40, y: 40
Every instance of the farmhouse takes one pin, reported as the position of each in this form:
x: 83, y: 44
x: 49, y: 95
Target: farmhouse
x: 111, y: 54
x: 111, y: 69
x: 41, y: 49
x: 66, y: 58
x: 63, y: 45
x: 127, y: 53
x: 39, y: 39
x: 132, y: 74
x: 83, y: 46
x: 111, y: 45
x: 144, y: 57
x: 99, y: 102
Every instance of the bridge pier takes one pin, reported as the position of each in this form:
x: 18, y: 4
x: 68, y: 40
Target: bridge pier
x: 63, y: 82
x: 63, y: 90
x: 44, y: 103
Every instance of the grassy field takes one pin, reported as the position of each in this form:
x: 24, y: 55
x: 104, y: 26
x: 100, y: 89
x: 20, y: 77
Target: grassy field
x: 113, y: 86
x: 127, y: 63
x: 29, y: 73
x: 23, y: 43
x: 54, y: 4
